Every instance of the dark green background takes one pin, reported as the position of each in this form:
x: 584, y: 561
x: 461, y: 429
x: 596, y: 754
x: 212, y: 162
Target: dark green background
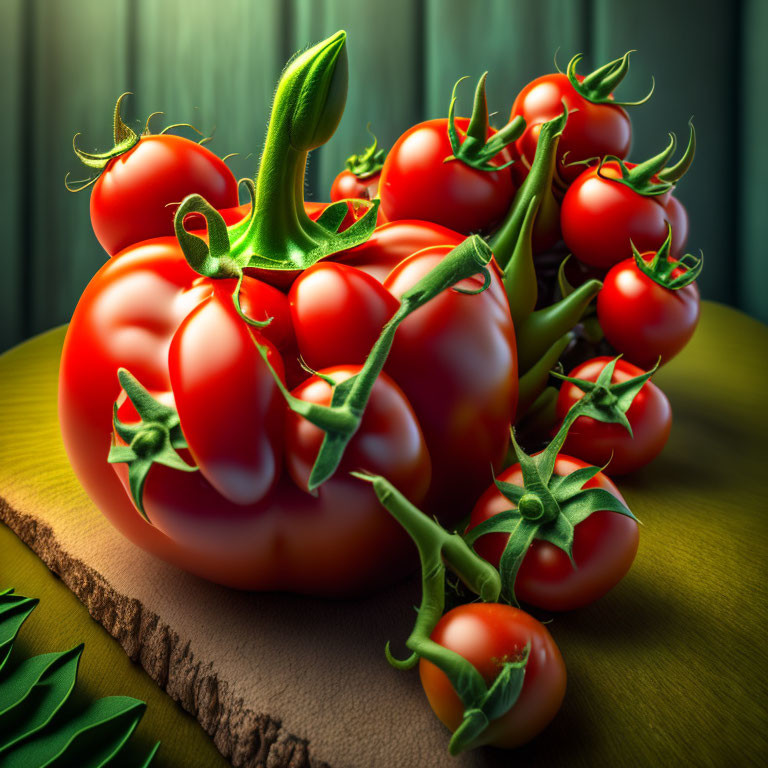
x: 64, y: 62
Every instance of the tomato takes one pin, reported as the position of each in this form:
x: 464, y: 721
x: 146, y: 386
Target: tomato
x: 599, y: 217
x: 595, y: 128
x: 604, y: 547
x: 599, y: 443
x: 487, y: 634
x: 133, y: 198
x: 347, y: 185
x: 643, y: 319
x: 416, y: 183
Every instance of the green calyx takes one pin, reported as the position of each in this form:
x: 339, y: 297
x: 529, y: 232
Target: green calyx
x: 278, y: 235
x: 598, y: 86
x: 475, y: 150
x: 651, y: 177
x: 605, y: 401
x: 661, y: 269
x: 547, y: 506
x: 153, y: 440
x: 538, y: 331
x: 437, y: 547
x: 341, y: 419
x: 369, y: 162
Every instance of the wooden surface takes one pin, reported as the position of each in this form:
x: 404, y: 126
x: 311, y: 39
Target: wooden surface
x: 669, y: 669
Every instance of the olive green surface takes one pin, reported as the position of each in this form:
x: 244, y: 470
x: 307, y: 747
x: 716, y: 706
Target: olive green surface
x: 668, y: 669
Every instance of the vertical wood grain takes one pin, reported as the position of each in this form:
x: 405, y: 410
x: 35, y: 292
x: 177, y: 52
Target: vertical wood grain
x: 13, y: 150
x: 753, y: 149
x: 79, y: 69
x: 691, y: 50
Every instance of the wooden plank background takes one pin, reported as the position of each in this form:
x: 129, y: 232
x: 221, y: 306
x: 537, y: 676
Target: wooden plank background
x: 215, y: 63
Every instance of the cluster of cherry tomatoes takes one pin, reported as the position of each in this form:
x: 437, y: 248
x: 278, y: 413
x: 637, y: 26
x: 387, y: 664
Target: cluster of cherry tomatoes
x: 232, y: 367
x: 621, y: 223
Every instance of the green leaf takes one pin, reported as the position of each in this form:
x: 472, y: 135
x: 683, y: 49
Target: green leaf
x: 584, y: 503
x: 14, y: 610
x: 89, y: 739
x: 505, y: 690
x: 34, y: 692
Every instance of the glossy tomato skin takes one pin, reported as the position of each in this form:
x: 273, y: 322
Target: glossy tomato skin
x: 416, y: 183
x: 346, y: 185
x: 600, y: 216
x: 462, y: 382
x: 604, y: 547
x: 597, y: 443
x: 133, y: 198
x: 484, y: 634
x: 592, y: 130
x: 642, y: 319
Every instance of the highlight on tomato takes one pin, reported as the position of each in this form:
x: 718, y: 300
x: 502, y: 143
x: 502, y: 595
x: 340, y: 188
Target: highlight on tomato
x: 599, y: 125
x: 627, y: 422
x: 648, y: 306
x: 615, y: 202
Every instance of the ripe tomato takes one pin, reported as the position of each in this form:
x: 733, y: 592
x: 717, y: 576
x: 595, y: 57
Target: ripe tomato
x: 416, y: 183
x: 347, y: 185
x: 643, y: 319
x: 599, y: 217
x: 604, y: 546
x: 594, y: 128
x: 596, y: 442
x: 487, y: 634
x: 133, y: 198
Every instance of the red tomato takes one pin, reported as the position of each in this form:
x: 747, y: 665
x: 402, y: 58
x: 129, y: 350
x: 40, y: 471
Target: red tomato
x: 133, y: 198
x: 487, y: 634
x: 642, y: 319
x: 598, y: 443
x: 593, y: 129
x: 416, y: 183
x: 346, y: 185
x: 604, y: 546
x: 599, y: 217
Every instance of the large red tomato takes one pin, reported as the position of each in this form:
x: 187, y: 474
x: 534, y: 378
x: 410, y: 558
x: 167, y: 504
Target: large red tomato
x: 487, y: 635
x: 599, y: 443
x: 604, y: 546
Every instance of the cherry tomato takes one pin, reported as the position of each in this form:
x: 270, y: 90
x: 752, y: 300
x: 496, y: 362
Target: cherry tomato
x: 346, y: 185
x: 593, y: 129
x: 645, y: 320
x: 416, y: 183
x: 604, y: 546
x: 133, y: 199
x: 601, y: 218
x: 598, y: 443
x: 486, y: 634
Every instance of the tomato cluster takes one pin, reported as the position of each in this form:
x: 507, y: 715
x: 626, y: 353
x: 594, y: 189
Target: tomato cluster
x: 280, y: 395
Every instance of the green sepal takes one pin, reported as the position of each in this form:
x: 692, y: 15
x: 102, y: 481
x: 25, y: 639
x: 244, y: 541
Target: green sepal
x: 651, y: 178
x: 368, y: 162
x: 546, y: 506
x: 107, y: 722
x: 153, y: 440
x: 476, y: 150
x: 660, y: 267
x: 607, y: 402
x: 598, y: 86
x: 14, y: 611
x: 34, y: 692
x: 437, y: 547
x: 341, y: 419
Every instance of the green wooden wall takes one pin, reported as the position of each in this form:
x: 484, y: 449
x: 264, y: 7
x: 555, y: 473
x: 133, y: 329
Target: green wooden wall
x: 215, y: 62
